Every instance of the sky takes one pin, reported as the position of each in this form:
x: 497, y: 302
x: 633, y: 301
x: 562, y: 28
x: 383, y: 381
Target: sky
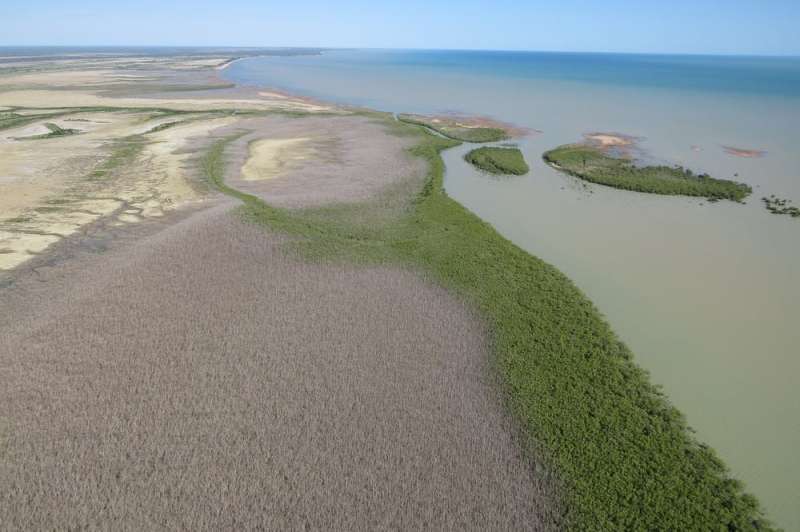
x: 761, y: 27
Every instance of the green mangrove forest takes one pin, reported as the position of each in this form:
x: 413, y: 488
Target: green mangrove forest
x: 592, y: 164
x: 499, y: 161
x: 623, y: 453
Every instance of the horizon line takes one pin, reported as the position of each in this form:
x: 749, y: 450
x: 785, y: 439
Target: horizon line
x: 383, y: 48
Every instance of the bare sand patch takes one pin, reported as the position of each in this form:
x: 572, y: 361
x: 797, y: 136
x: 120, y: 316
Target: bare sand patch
x: 611, y: 140
x: 84, y: 62
x: 168, y: 159
x: 19, y: 247
x: 86, y: 87
x: 104, y: 125
x: 153, y: 178
x: 273, y: 94
x: 173, y: 82
x: 34, y: 173
x: 617, y: 144
x: 61, y: 78
x: 47, y: 188
x: 45, y: 97
x: 269, y: 157
x: 744, y: 152
x: 26, y: 131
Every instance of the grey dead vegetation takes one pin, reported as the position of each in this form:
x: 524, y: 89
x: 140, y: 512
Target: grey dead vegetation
x: 197, y: 377
x: 352, y: 159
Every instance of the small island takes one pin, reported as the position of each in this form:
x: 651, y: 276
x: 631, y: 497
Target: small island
x: 498, y: 161
x: 594, y: 164
x: 776, y: 205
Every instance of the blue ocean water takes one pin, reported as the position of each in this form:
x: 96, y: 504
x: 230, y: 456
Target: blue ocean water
x: 706, y: 295
x: 769, y: 76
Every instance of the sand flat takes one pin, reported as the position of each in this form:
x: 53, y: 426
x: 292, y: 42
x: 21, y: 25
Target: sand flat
x: 268, y: 157
x: 611, y: 140
x: 45, y: 97
x: 47, y: 185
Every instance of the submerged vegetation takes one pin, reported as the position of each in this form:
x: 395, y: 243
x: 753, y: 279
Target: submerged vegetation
x: 777, y: 205
x: 591, y: 164
x: 498, y: 160
x: 625, y: 456
x: 453, y: 130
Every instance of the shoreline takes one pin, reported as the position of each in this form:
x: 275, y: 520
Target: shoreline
x: 650, y: 275
x: 703, y: 453
x: 229, y: 62
x: 592, y: 477
x: 610, y: 353
x: 265, y: 90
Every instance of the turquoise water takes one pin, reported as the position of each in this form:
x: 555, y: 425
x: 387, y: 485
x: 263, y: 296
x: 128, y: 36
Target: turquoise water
x: 706, y: 295
x: 764, y: 76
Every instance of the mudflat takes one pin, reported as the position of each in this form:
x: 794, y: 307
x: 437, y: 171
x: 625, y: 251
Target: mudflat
x: 199, y: 378
x: 166, y: 364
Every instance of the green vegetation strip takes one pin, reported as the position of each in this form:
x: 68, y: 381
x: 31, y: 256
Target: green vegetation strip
x: 455, y: 132
x: 500, y: 161
x: 123, y: 152
x: 11, y: 120
x: 591, y: 164
x: 55, y: 131
x: 624, y: 455
x: 58, y: 131
x: 162, y: 127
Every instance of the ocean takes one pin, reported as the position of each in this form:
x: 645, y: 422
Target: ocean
x: 706, y: 295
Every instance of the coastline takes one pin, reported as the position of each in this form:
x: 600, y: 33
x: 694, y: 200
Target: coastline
x: 272, y: 92
x: 658, y: 405
x: 228, y: 62
x: 518, y: 262
x: 677, y: 278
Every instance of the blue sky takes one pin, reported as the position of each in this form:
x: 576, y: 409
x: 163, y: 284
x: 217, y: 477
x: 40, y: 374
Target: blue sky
x: 659, y: 26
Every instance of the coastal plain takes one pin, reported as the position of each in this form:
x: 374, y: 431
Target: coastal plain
x: 167, y: 364
x: 232, y: 308
x: 699, y: 291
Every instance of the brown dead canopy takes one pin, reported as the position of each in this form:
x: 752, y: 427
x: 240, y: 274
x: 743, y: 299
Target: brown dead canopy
x: 199, y: 379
